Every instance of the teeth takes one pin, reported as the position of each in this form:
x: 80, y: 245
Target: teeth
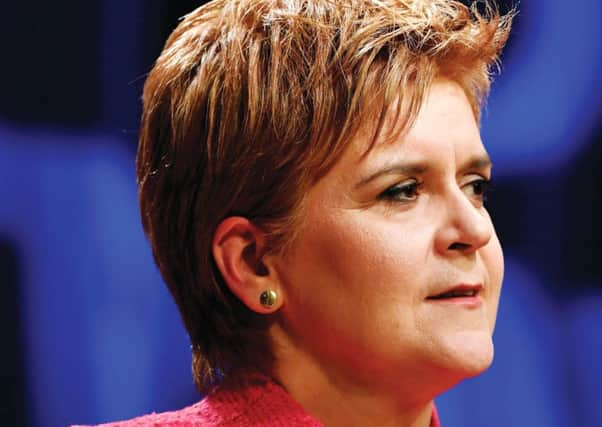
x: 463, y: 293
x: 457, y: 294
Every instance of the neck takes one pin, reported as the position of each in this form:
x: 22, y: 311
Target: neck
x: 338, y: 401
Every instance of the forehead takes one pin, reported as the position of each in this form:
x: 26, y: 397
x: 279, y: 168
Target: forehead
x: 445, y: 124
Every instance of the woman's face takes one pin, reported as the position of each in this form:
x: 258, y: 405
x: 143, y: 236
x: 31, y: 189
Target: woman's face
x: 384, y: 237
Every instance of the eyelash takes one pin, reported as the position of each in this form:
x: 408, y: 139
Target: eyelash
x: 392, y: 194
x: 484, y: 186
x: 398, y: 193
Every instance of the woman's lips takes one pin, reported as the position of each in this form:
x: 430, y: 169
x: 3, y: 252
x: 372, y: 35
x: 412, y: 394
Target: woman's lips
x: 463, y: 294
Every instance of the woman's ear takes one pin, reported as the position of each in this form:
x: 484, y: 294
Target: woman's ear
x: 238, y: 249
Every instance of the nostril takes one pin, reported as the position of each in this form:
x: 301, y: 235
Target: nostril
x: 459, y: 246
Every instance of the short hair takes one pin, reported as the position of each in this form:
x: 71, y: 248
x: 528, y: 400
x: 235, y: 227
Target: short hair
x: 251, y: 102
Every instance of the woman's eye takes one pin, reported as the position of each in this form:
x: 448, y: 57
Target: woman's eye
x: 477, y: 189
x: 403, y: 192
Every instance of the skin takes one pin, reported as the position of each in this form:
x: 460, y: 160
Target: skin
x: 356, y: 340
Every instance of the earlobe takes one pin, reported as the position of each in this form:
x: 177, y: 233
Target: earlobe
x: 238, y: 249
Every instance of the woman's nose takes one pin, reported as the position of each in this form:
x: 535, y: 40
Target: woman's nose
x: 465, y: 227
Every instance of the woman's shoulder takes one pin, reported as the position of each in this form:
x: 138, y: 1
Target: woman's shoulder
x: 191, y: 415
x: 257, y: 402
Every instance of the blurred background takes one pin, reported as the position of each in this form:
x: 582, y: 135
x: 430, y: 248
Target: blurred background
x: 89, y: 332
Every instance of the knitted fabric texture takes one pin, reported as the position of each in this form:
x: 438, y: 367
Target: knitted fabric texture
x: 256, y: 403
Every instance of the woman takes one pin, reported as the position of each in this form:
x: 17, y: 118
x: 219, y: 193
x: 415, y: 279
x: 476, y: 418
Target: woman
x: 312, y: 182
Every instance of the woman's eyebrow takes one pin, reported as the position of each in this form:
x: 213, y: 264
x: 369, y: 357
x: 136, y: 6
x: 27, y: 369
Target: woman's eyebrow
x: 395, y: 168
x: 481, y: 161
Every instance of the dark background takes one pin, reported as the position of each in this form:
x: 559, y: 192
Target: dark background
x: 90, y: 334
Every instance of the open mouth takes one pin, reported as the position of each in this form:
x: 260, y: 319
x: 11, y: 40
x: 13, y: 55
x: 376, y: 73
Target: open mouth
x: 458, y: 292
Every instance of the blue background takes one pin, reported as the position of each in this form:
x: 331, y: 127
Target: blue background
x: 89, y: 331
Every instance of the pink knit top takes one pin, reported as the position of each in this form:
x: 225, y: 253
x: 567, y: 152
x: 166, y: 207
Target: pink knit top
x: 257, y: 403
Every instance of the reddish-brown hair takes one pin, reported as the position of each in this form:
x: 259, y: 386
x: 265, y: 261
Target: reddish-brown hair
x: 252, y: 101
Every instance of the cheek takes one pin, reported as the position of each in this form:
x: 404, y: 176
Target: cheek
x: 352, y: 282
x: 358, y: 273
x: 361, y: 253
x: 353, y: 262
x: 493, y: 260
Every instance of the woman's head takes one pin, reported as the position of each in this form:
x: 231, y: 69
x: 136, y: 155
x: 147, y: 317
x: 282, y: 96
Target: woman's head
x: 251, y: 104
x: 393, y: 281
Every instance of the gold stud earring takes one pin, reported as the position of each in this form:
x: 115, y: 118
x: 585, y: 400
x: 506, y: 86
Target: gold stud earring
x: 268, y: 298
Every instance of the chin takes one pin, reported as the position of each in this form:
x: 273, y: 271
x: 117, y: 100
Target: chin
x: 470, y: 354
